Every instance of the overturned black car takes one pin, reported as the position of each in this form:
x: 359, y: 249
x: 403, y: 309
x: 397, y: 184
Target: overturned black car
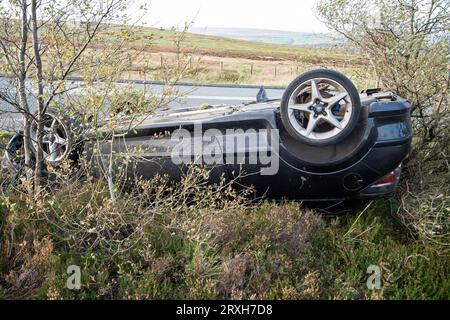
x: 324, y: 141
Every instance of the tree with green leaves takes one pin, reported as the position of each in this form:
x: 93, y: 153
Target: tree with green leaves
x: 42, y: 43
x: 407, y: 44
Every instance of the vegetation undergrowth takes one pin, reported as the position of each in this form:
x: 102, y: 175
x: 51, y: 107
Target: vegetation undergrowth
x: 192, y: 241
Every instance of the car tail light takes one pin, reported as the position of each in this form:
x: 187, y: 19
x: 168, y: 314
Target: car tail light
x: 391, y: 178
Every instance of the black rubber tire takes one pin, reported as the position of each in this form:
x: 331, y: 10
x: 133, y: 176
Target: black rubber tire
x: 329, y: 74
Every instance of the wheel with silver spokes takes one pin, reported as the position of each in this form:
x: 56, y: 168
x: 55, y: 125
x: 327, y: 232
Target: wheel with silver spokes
x: 56, y: 139
x: 320, y: 107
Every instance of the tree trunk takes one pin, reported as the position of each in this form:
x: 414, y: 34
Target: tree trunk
x: 109, y: 176
x: 41, y: 110
x: 23, y: 103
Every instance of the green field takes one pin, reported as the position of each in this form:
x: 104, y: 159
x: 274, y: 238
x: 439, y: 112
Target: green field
x: 223, y: 60
x: 257, y: 50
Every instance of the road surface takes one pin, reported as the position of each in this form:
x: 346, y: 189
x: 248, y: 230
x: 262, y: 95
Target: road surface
x: 191, y: 95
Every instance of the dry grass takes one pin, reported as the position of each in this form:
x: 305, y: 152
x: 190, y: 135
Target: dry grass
x: 213, y: 69
x: 221, y: 60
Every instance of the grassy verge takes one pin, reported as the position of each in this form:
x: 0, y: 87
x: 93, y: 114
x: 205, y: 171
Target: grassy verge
x: 215, y: 249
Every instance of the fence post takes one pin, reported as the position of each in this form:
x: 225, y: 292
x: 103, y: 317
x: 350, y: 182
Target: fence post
x: 221, y: 66
x: 161, y: 58
x: 276, y: 67
x: 251, y: 69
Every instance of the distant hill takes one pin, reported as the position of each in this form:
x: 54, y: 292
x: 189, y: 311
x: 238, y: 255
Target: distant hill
x: 306, y: 39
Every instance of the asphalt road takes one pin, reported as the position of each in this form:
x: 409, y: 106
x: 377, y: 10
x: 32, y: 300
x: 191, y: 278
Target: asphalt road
x: 191, y: 95
x: 196, y: 95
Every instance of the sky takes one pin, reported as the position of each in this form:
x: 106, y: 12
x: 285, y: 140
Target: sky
x: 286, y: 15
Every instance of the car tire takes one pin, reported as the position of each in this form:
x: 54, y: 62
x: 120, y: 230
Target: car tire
x: 68, y: 129
x: 322, y: 110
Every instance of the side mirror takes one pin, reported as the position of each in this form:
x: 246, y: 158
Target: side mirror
x: 262, y: 95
